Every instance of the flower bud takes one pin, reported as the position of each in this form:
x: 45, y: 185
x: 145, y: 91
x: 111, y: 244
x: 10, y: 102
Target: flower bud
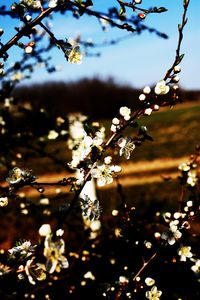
x: 141, y: 16
x: 142, y: 97
x: 177, y: 69
x: 147, y: 90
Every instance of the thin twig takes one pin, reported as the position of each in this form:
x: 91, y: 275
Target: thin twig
x: 24, y: 31
x: 52, y: 36
x: 145, y: 264
x: 180, y: 38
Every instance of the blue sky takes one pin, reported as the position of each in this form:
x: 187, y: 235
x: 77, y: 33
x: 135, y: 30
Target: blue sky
x: 138, y: 61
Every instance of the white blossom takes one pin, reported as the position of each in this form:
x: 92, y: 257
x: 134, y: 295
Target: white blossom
x: 53, y: 3
x: 75, y: 56
x: 142, y: 97
x: 185, y: 252
x: 147, y: 90
x: 148, y: 111
x: 161, y: 88
x: 153, y: 294
x: 45, y: 230
x: 126, y: 147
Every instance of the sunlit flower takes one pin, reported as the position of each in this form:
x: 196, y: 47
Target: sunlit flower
x: 34, y: 271
x: 153, y: 294
x: 103, y: 173
x: 161, y: 88
x: 185, y: 253
x: 126, y: 147
x: 75, y: 56
x: 91, y: 209
x: 53, y: 251
x: 3, y: 201
x: 23, y: 248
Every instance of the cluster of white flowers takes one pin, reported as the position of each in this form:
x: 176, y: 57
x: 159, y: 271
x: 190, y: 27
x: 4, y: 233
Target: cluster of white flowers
x: 103, y: 172
x: 23, y: 248
x: 154, y: 293
x: 34, y: 4
x: 79, y: 142
x: 124, y: 112
x: 189, y: 171
x: 176, y: 223
x: 146, y: 91
x: 84, y: 148
x: 192, y: 178
x: 184, y: 167
x: 163, y: 88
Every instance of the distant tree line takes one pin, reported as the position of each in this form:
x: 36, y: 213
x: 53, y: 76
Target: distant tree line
x: 86, y: 96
